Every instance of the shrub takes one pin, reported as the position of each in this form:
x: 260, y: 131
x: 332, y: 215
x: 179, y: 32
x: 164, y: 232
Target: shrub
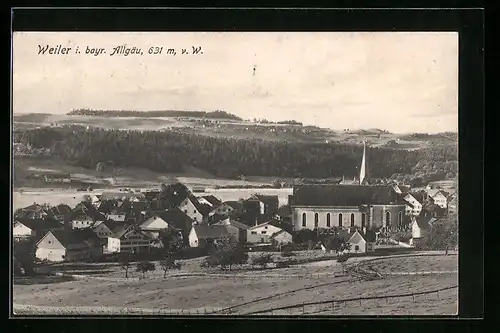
x: 263, y: 260
x: 144, y: 267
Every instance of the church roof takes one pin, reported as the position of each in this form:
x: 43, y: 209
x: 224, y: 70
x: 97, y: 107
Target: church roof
x: 341, y: 195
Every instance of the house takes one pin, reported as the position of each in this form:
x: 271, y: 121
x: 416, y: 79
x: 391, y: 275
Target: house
x: 419, y: 227
x: 58, y: 178
x: 34, y: 211
x: 59, y: 212
x: 57, y: 246
x: 126, y: 238
x: 453, y: 204
x: 202, y: 235
x: 97, y: 245
x: 401, y: 189
x: 225, y: 208
x: 267, y: 204
x: 105, y: 206
x: 194, y: 209
x: 104, y: 229
x: 362, y: 241
x: 261, y: 233
x: 235, y: 228
x: 343, y: 206
x: 414, y: 201
x: 176, y: 219
x: 439, y: 198
x: 210, y: 200
x: 281, y: 237
x: 83, y: 216
x: 153, y: 226
x: 24, y: 228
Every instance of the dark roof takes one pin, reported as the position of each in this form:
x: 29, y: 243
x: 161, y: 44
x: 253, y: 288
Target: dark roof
x: 232, y: 204
x: 204, y: 209
x: 267, y: 199
x: 340, y: 195
x: 110, y: 224
x: 83, y: 235
x: 234, y: 223
x: 60, y: 210
x: 150, y: 195
x: 420, y: 196
x: 278, y: 233
x: 217, y: 218
x: 121, y: 230
x: 33, y: 207
x: 344, y: 235
x: 87, y: 210
x: 68, y: 239
x: 212, y: 199
x: 39, y: 224
x: 176, y: 218
x: 422, y: 222
x: 285, y: 226
x: 209, y: 232
x: 105, y: 206
x: 409, y: 204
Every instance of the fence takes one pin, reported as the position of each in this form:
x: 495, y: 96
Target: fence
x: 357, y: 299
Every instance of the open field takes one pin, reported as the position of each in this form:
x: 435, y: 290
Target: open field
x: 236, y: 129
x: 248, y: 292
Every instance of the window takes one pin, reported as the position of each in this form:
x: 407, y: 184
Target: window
x: 356, y: 248
x: 363, y: 220
x: 328, y: 220
x: 340, y: 219
x: 400, y: 219
x: 254, y: 232
x: 194, y: 211
x: 352, y: 219
x: 387, y: 219
x: 304, y: 219
x: 264, y: 232
x: 185, y: 211
x: 316, y: 218
x: 265, y: 227
x: 50, y: 242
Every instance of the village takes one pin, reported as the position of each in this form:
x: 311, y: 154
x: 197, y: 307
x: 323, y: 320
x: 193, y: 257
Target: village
x: 358, y: 216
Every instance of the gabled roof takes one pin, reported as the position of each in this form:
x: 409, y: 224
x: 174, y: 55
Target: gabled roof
x: 105, y: 206
x: 204, y: 209
x: 210, y: 232
x: 234, y: 223
x: 175, y: 218
x: 121, y: 230
x: 343, y: 195
x: 409, y: 204
x: 344, y: 235
x: 60, y: 210
x: 279, y: 233
x: 266, y: 199
x: 261, y: 225
x: 39, y: 224
x: 110, y: 224
x: 67, y: 239
x: 217, y: 218
x: 419, y: 196
x: 422, y: 222
x: 433, y: 192
x: 232, y: 204
x: 214, y: 201
x: 150, y: 195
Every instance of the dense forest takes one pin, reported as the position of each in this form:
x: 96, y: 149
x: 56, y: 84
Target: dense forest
x: 227, y: 157
x: 165, y: 113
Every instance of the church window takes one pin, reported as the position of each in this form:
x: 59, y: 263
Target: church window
x: 340, y: 219
x: 387, y: 219
x: 316, y: 220
x: 363, y: 220
x: 304, y: 219
x: 328, y: 220
x: 352, y: 219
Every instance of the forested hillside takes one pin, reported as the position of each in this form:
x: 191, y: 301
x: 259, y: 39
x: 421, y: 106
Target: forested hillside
x: 169, y: 151
x: 165, y: 113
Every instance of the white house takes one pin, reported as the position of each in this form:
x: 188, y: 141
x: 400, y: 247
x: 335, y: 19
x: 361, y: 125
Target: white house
x: 21, y: 231
x: 202, y: 235
x: 153, y: 226
x: 117, y: 216
x: 438, y: 197
x: 29, y: 228
x: 104, y: 229
x: 281, y: 237
x: 223, y: 209
x: 192, y: 208
x: 235, y: 228
x: 361, y: 242
x: 261, y: 233
x: 415, y: 204
x: 419, y: 227
x: 57, y: 246
x: 127, y: 239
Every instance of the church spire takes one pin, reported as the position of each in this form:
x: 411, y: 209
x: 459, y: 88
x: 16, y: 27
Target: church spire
x: 362, y: 171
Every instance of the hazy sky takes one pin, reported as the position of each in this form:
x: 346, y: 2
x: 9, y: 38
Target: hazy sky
x: 402, y: 82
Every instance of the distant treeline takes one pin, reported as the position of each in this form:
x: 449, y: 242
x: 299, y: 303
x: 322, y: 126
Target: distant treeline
x: 160, y: 113
x: 224, y: 157
x: 425, y: 136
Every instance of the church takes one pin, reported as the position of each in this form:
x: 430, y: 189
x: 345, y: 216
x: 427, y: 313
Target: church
x: 347, y: 205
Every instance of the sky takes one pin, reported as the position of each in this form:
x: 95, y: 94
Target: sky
x: 398, y: 81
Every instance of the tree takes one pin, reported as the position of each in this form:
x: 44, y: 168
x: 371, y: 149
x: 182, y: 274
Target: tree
x: 226, y: 253
x: 125, y: 264
x: 442, y: 235
x: 172, y: 240
x: 144, y: 267
x: 263, y: 260
x: 169, y: 263
x: 24, y: 254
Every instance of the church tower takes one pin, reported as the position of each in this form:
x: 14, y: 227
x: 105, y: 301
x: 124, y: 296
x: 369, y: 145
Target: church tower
x: 363, y: 170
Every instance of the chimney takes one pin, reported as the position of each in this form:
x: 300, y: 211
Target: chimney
x: 364, y: 230
x: 256, y: 221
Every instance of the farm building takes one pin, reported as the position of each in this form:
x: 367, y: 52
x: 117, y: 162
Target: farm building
x: 204, y: 235
x: 126, y: 239
x: 59, y: 246
x: 197, y: 211
x: 32, y: 228
x: 235, y: 228
x: 414, y: 202
x: 419, y: 227
x: 281, y: 237
x: 362, y: 242
x: 262, y: 233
